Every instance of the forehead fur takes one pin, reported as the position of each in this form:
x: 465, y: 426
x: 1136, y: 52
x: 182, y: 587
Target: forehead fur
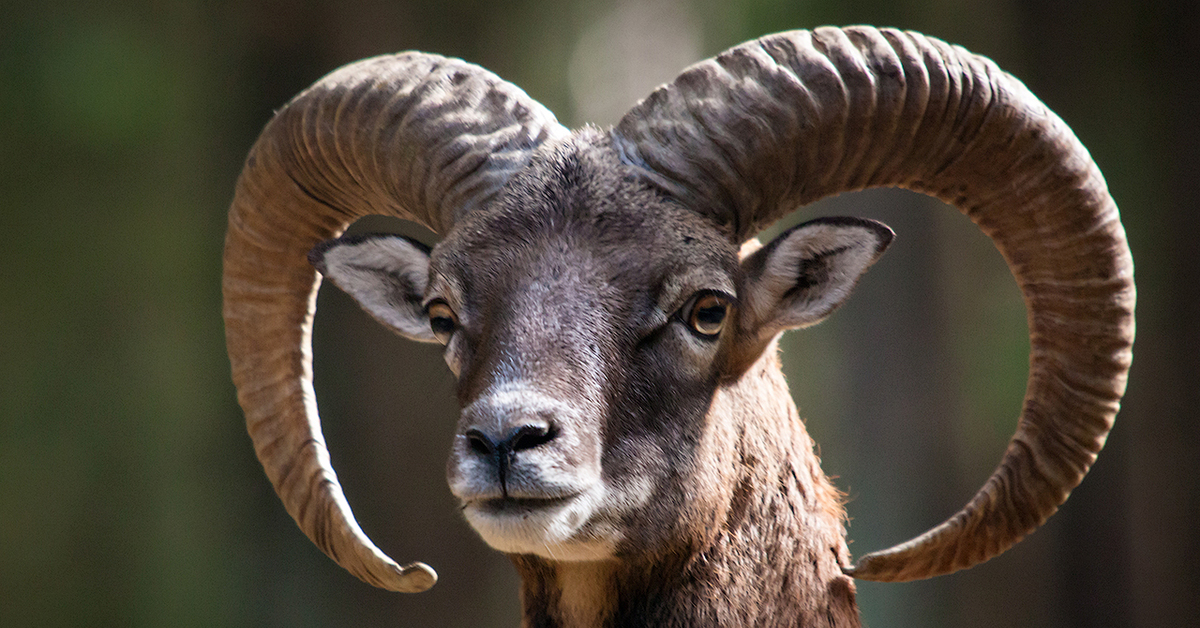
x: 576, y: 195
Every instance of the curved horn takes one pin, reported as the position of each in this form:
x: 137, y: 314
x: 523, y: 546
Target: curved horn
x: 411, y: 135
x: 779, y: 122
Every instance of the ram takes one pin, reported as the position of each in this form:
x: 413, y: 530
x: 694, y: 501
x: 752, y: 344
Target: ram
x: 626, y: 435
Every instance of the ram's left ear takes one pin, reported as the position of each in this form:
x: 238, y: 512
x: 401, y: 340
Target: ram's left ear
x: 801, y: 276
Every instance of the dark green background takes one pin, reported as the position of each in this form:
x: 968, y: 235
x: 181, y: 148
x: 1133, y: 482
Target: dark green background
x: 129, y: 493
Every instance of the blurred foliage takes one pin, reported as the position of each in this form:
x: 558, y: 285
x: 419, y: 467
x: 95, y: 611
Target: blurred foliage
x: 130, y: 496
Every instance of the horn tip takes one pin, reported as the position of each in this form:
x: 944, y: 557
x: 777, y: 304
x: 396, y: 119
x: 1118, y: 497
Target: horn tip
x: 412, y: 578
x: 876, y: 567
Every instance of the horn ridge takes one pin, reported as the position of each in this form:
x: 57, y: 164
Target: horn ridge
x: 411, y: 135
x: 861, y: 107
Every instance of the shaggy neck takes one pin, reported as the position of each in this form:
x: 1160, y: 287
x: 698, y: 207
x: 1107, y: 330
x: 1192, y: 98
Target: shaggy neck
x: 774, y: 560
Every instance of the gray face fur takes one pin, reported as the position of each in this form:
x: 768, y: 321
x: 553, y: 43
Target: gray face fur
x: 590, y: 322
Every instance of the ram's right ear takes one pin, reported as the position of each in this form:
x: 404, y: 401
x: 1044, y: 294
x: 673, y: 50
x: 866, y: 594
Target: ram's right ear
x: 387, y: 276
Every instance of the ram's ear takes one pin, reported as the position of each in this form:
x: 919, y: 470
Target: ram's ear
x: 387, y: 276
x: 801, y: 276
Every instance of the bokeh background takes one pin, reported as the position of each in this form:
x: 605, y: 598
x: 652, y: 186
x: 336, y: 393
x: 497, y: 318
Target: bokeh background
x: 129, y: 493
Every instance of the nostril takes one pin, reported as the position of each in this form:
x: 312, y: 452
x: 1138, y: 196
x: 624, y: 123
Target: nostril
x: 530, y: 436
x: 480, y: 443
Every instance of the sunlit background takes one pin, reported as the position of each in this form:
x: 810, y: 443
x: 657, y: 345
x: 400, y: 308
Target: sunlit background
x: 129, y: 492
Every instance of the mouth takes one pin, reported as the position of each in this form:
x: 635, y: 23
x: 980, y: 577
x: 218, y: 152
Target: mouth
x: 554, y: 527
x: 510, y: 506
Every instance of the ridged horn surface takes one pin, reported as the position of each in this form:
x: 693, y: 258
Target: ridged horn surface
x: 754, y: 133
x: 411, y: 135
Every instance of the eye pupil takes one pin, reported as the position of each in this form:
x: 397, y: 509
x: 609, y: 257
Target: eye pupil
x: 441, y: 321
x: 708, y: 315
x: 441, y: 325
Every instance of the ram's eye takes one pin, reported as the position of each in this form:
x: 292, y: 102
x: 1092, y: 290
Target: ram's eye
x: 707, y: 313
x: 441, y: 321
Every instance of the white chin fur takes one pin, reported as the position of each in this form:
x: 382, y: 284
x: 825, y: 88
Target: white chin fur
x: 559, y: 532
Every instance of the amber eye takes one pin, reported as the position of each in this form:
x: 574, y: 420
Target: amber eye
x: 708, y: 313
x: 441, y: 321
